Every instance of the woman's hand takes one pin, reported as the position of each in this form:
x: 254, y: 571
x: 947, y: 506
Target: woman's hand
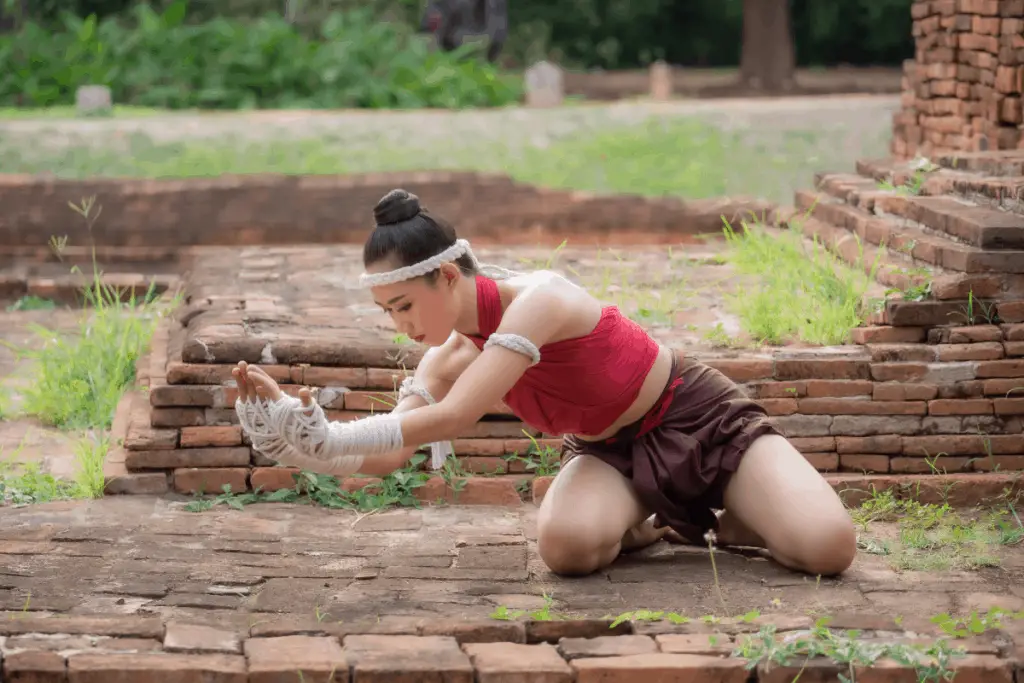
x: 253, y: 382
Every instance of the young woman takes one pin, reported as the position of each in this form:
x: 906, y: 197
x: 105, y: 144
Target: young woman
x: 654, y: 442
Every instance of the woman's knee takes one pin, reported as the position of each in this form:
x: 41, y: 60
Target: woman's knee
x: 574, y: 548
x: 825, y: 547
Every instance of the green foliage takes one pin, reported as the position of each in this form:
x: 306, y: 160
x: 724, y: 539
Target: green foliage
x: 159, y: 60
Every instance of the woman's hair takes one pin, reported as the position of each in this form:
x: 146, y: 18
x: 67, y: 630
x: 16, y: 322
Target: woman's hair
x: 408, y: 234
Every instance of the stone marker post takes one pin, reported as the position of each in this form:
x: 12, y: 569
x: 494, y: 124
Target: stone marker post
x: 661, y: 81
x: 91, y: 100
x: 545, y: 86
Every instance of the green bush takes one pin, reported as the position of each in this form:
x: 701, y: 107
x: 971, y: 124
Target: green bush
x: 159, y: 60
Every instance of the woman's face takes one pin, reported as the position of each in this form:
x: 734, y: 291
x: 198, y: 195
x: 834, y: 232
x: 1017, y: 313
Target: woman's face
x: 422, y: 310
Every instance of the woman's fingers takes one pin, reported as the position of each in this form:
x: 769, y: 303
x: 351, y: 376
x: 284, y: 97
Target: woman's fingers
x: 240, y: 379
x: 306, y: 397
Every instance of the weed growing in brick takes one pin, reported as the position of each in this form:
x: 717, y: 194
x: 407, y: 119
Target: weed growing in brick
x: 935, y: 537
x: 541, y: 461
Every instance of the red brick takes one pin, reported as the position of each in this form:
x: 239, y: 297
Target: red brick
x: 269, y: 479
x: 129, y: 668
x: 183, y: 396
x: 822, y: 388
x: 34, y: 666
x: 508, y: 662
x: 999, y: 463
x: 886, y: 444
x: 856, y: 462
x: 823, y: 462
x: 188, y: 457
x: 822, y: 368
x: 660, y: 668
x: 539, y: 487
x: 898, y: 372
x: 199, y: 437
x: 210, y: 480
x: 813, y: 444
x: 904, y: 392
x: 847, y: 406
x: 340, y: 377
x: 1003, y: 387
x: 182, y: 637
x: 901, y: 353
x: 483, y: 631
x: 476, y: 491
x: 888, y: 335
x: 606, y: 646
x: 177, y: 417
x: 813, y: 670
x: 942, y: 406
x: 779, y: 406
x: 1013, y: 332
x: 742, y: 370
x: 1014, y: 349
x: 391, y: 659
x: 524, y: 446
x: 965, y: 389
x: 1001, y: 368
x: 771, y: 389
x: 296, y: 658
x: 1011, y: 312
x: 715, y: 644
x: 930, y: 464
x: 1008, y: 406
x: 964, y: 444
x: 492, y: 447
x: 113, y: 626
x: 489, y: 465
x: 963, y: 352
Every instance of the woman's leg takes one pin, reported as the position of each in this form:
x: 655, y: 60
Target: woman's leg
x: 587, y: 517
x: 777, y: 500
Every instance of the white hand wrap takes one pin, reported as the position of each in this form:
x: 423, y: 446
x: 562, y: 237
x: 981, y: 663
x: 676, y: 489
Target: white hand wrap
x: 285, y: 431
x: 439, y: 450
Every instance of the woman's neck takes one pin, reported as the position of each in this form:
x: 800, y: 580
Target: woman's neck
x: 468, y: 320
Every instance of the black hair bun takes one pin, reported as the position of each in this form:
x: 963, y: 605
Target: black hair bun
x: 395, y: 207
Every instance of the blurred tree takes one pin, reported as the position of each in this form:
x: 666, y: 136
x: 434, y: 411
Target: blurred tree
x: 768, y: 58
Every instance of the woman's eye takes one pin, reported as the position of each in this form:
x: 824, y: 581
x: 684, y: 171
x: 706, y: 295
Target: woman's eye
x: 404, y: 308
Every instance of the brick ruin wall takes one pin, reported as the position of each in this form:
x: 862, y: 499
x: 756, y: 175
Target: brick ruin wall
x: 152, y: 218
x: 962, y: 92
x: 904, y: 400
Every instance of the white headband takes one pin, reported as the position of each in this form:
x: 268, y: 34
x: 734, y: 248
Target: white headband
x: 367, y: 280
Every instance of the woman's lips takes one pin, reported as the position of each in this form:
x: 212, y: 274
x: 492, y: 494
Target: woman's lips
x: 420, y: 338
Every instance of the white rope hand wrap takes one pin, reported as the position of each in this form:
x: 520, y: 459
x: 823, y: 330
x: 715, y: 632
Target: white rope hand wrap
x: 439, y: 450
x: 517, y: 343
x: 308, y: 431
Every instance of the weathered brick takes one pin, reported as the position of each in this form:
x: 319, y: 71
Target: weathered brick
x: 210, y: 480
x: 381, y: 659
x: 773, y: 389
x: 200, y: 437
x: 35, y: 666
x: 980, y: 406
x: 779, y: 406
x: 743, y: 370
x: 888, y: 335
x: 114, y: 626
x: 183, y: 637
x: 824, y: 368
x: 187, y: 457
x: 660, y: 668
x: 813, y: 444
x: 1001, y: 368
x: 895, y: 391
x: 863, y: 462
x: 898, y: 372
x: 296, y: 658
x: 883, y: 443
x: 183, y: 396
x: 872, y: 425
x: 118, y: 667
x: 1008, y: 406
x: 935, y: 463
x: 177, y: 417
x: 823, y: 462
x: 804, y: 425
x: 902, y: 353
x: 856, y: 406
x: 483, y: 631
x: 1014, y: 349
x: 505, y: 662
x: 822, y: 388
x: 976, y: 351
x: 606, y: 646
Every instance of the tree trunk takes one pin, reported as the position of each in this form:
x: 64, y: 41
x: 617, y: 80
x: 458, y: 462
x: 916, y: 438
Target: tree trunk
x: 768, y: 60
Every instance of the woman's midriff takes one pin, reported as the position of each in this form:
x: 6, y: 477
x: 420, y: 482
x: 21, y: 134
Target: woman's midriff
x: 650, y: 393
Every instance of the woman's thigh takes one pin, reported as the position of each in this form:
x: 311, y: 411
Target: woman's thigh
x: 589, y: 507
x: 782, y: 498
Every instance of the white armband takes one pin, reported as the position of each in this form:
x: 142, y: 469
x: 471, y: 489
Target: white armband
x: 517, y: 343
x: 439, y: 450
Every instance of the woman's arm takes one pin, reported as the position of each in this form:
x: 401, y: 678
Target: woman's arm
x: 258, y: 394
x: 533, y: 319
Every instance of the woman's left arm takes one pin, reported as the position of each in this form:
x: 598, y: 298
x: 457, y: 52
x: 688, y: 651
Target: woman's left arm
x: 530, y: 321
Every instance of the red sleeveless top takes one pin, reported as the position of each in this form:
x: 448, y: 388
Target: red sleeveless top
x: 581, y: 385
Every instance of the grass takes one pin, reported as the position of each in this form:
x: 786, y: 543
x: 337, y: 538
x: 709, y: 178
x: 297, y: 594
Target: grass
x: 80, y: 378
x: 803, y: 292
x: 586, y: 149
x: 70, y: 112
x: 935, y: 537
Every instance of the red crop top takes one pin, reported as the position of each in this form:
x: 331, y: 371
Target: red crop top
x: 581, y: 385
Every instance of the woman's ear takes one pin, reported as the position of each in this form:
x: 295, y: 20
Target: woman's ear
x: 449, y: 274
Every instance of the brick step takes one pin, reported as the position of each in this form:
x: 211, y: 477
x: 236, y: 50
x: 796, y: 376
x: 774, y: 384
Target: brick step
x: 68, y: 289
x: 995, y: 191
x: 999, y: 163
x: 911, y: 239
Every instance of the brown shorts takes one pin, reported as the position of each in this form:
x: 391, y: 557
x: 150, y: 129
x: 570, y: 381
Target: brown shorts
x: 681, y: 455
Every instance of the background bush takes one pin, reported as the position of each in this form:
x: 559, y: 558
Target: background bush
x: 160, y: 60
x: 611, y: 34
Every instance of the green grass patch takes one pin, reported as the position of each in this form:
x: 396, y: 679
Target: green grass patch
x: 915, y: 536
x: 804, y: 292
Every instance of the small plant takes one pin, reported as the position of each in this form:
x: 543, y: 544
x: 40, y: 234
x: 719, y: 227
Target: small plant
x: 542, y: 461
x: 545, y: 613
